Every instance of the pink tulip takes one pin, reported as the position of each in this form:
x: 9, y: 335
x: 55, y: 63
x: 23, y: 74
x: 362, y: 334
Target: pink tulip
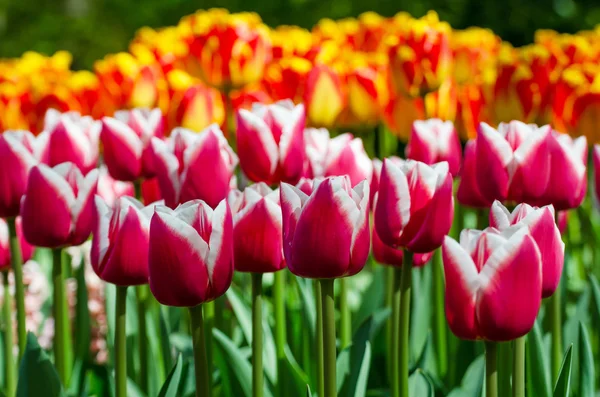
x: 69, y: 137
x: 257, y: 241
x: 391, y: 256
x: 120, y: 245
x: 26, y: 248
x: 316, y: 144
x: 191, y: 253
x: 432, y: 141
x: 58, y: 206
x: 194, y: 166
x: 568, y: 178
x: 346, y: 156
x: 468, y: 190
x: 306, y: 185
x: 16, y: 159
x: 126, y: 140
x: 110, y: 189
x: 513, y: 162
x: 414, y: 206
x: 270, y: 142
x: 493, y: 283
x: 545, y: 233
x: 326, y: 234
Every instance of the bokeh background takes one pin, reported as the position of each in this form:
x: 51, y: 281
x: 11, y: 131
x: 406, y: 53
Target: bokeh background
x: 89, y: 29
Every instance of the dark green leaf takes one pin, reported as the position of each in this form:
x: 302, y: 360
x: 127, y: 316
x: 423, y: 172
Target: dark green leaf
x: 563, y: 384
x: 37, y: 376
x: 82, y: 318
x: 171, y: 385
x: 299, y: 377
x: 420, y: 385
x: 538, y: 374
x: 586, y: 364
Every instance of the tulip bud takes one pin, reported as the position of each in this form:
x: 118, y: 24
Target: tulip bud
x: 257, y: 241
x: 69, y: 137
x: 26, y: 248
x: 120, y: 245
x: 346, y: 156
x: 270, y: 142
x: 545, y: 233
x: 493, y: 283
x: 386, y: 255
x: 434, y: 140
x: 110, y: 189
x: 468, y: 190
x: 58, y: 206
x: 326, y: 234
x: 191, y: 253
x: 126, y: 140
x: 194, y: 166
x: 415, y: 207
x: 16, y: 159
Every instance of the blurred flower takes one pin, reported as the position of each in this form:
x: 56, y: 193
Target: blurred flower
x: 58, y: 205
x: 401, y: 112
x: 346, y: 156
x: 26, y: 248
x: 434, y: 140
x: 493, y: 283
x: 110, y: 189
x: 316, y: 146
x: 326, y: 234
x: 286, y: 78
x: 191, y: 253
x: 368, y: 91
x: 290, y: 41
x: 323, y: 96
x: 386, y: 255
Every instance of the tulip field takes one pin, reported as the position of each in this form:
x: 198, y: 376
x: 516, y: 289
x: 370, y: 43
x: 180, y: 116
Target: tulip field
x: 380, y: 206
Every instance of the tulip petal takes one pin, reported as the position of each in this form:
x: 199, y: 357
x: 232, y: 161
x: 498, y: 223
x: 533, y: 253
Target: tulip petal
x: 219, y: 261
x: 83, y: 211
x: 493, y: 154
x: 500, y: 217
x: 291, y: 146
x: 257, y: 149
x: 15, y: 163
x: 122, y: 150
x: 292, y: 200
x: 361, y: 238
x: 167, y: 172
x: 393, y: 209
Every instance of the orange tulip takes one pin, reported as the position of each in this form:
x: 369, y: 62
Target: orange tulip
x: 290, y: 41
x: 323, y: 96
x: 368, y: 91
x: 286, y: 77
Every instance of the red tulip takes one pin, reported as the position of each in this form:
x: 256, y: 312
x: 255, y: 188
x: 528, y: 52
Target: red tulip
x: 386, y: 255
x: 270, y: 142
x: 120, y: 245
x: 69, y: 137
x: 257, y: 241
x: 191, y: 253
x: 414, y: 206
x: 110, y: 189
x: 317, y: 143
x: 545, y: 233
x: 58, y: 206
x: 126, y: 140
x: 326, y: 234
x: 513, y: 162
x: 194, y: 166
x: 26, y: 248
x: 16, y: 159
x: 346, y: 156
x: 434, y: 140
x: 468, y: 190
x: 493, y: 283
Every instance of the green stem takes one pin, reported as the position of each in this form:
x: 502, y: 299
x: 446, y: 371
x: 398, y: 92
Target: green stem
x: 209, y: 322
x: 396, y: 280
x: 345, y: 320
x: 319, y: 337
x: 329, y: 350
x: 200, y: 359
x: 58, y: 304
x: 257, y: 336
x: 556, y: 330
x: 121, y: 343
x: 405, y: 291
x: 519, y: 368
x: 142, y: 299
x: 137, y: 186
x: 505, y: 367
x: 491, y: 372
x: 280, y: 327
x: 439, y: 329
x: 9, y: 360
x: 17, y: 266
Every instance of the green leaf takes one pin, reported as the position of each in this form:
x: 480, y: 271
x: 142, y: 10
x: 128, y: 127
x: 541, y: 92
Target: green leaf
x: 563, y: 384
x: 299, y: 377
x: 308, y: 393
x: 82, y: 318
x: 171, y: 385
x: 538, y: 373
x: 420, y: 385
x: 587, y: 375
x: 307, y: 296
x: 236, y: 362
x: 37, y: 375
x: 472, y: 381
x: 596, y: 293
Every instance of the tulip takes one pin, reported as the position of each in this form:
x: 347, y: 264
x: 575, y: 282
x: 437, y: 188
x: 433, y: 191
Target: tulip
x: 69, y: 137
x: 325, y: 236
x: 126, y: 140
x: 391, y: 256
x: 5, y: 256
x: 110, y: 189
x: 270, y: 142
x: 16, y: 159
x: 323, y: 96
x: 513, y: 162
x: 58, y: 205
x: 305, y: 185
x: 257, y: 237
x: 468, y: 192
x: 434, y: 140
x: 317, y: 143
x: 194, y: 166
x: 368, y: 92
x: 346, y: 156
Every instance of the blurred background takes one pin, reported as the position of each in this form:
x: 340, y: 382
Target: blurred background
x: 89, y: 29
